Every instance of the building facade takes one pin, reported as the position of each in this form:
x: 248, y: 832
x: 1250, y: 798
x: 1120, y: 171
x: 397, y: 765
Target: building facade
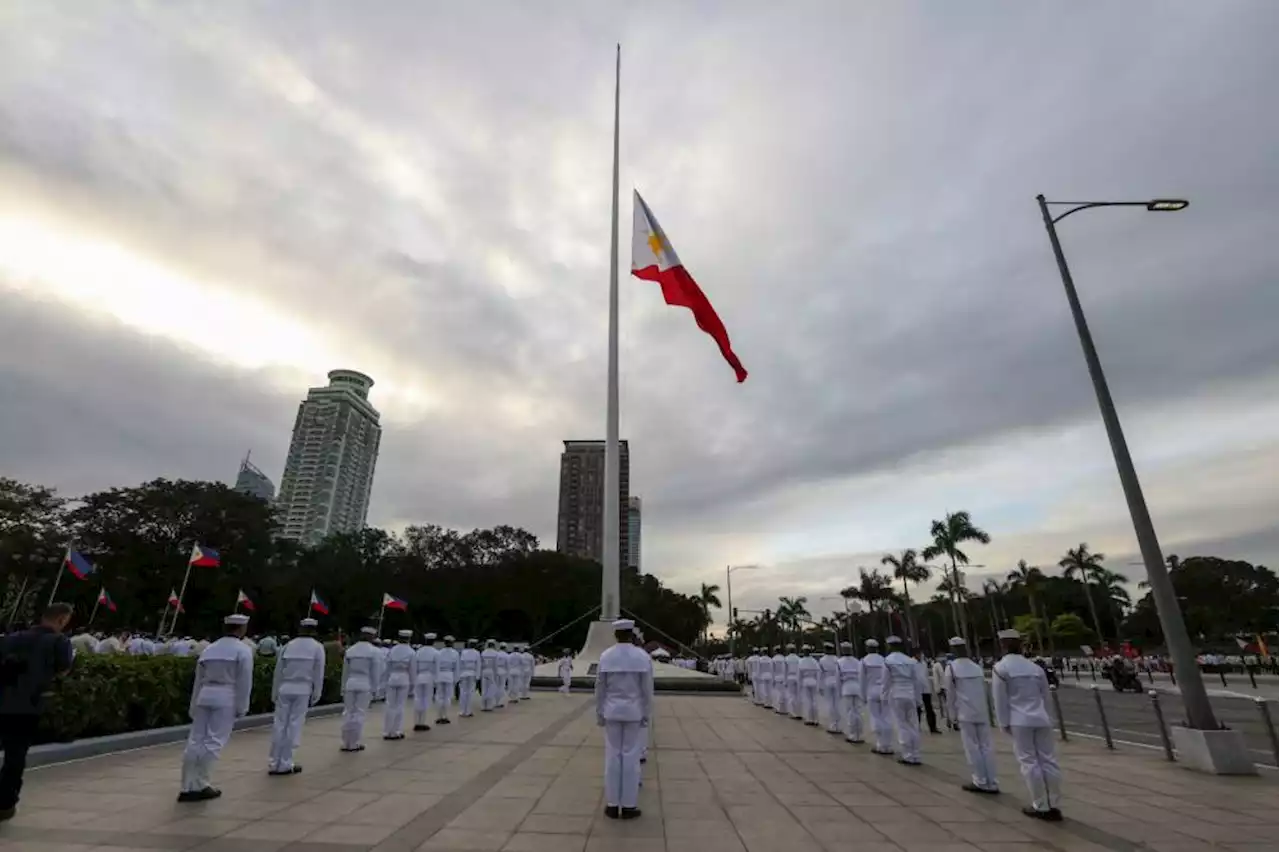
x: 252, y: 481
x: 328, y: 475
x: 633, y: 533
x: 580, y: 521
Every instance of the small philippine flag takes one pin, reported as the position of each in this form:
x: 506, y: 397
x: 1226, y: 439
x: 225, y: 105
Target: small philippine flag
x: 205, y: 557
x: 243, y: 600
x: 78, y: 565
x: 105, y: 600
x: 390, y: 602
x: 174, y: 601
x: 317, y: 605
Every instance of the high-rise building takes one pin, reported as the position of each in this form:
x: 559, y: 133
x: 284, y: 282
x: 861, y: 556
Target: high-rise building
x: 253, y: 481
x: 328, y: 475
x: 580, y: 523
x: 633, y: 533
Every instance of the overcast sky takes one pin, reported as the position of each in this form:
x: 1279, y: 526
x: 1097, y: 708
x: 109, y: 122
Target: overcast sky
x: 205, y: 207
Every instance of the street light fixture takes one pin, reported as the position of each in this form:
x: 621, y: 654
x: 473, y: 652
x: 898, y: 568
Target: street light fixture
x: 1195, y: 700
x: 728, y: 590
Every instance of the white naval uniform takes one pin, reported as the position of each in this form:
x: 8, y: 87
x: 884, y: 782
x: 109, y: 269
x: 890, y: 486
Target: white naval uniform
x: 566, y: 673
x: 791, y: 667
x: 500, y: 665
x: 296, y: 685
x: 764, y: 680
x: 851, y: 697
x: 424, y: 683
x: 446, y: 677
x: 873, y: 679
x: 778, y: 664
x: 398, y: 681
x: 900, y: 693
x: 488, y: 679
x: 966, y: 689
x: 361, y: 675
x: 624, y: 700
x: 468, y: 673
x: 220, y: 694
x: 529, y: 664
x: 1020, y: 692
x: 809, y: 681
x: 829, y: 690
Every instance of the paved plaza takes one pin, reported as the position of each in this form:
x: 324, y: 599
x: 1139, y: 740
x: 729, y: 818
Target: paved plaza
x: 723, y: 776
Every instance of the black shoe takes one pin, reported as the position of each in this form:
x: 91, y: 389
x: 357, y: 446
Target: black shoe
x: 855, y: 742
x: 1035, y: 814
x: 974, y: 788
x: 8, y: 813
x: 209, y: 793
x: 629, y: 813
x: 443, y: 722
x: 1055, y: 815
x: 644, y: 760
x: 934, y: 731
x: 422, y: 727
x: 611, y: 811
x: 905, y: 762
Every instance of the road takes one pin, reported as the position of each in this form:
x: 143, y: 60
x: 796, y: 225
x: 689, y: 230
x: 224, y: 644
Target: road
x: 1133, y: 719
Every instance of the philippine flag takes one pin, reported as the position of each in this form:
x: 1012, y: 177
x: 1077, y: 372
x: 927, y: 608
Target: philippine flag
x: 105, y: 600
x: 78, y: 565
x: 205, y: 557
x: 389, y: 602
x: 318, y: 605
x: 243, y: 600
x: 174, y: 601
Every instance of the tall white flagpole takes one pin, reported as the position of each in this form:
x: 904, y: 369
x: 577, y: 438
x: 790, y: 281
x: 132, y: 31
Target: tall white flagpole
x: 183, y: 591
x: 610, y: 581
x: 62, y: 566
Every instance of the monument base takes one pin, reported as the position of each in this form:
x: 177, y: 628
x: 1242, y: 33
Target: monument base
x: 1215, y: 752
x: 599, y: 637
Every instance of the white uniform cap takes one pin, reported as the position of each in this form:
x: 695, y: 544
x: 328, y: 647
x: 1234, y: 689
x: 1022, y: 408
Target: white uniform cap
x: 502, y: 646
x: 871, y: 643
x: 237, y: 619
x: 448, y: 639
x: 1009, y: 633
x: 846, y: 646
x: 430, y: 637
x: 368, y: 631
x: 405, y: 634
x: 490, y: 643
x: 955, y: 641
x: 308, y: 622
x: 624, y: 624
x: 892, y: 640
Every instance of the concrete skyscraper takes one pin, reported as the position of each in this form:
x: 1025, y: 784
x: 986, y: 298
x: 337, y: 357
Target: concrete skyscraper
x: 580, y: 522
x: 328, y: 475
x: 633, y: 533
x: 253, y: 481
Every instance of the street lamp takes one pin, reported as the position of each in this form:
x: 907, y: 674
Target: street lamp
x: 1194, y: 698
x: 728, y: 590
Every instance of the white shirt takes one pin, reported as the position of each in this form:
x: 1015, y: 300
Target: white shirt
x: 808, y: 671
x: 424, y: 665
x: 224, y: 676
x: 299, y: 669
x: 1020, y: 692
x: 938, y: 676
x: 966, y: 688
x: 469, y: 663
x: 566, y: 666
x: 447, y: 665
x: 873, y: 675
x: 361, y: 667
x: 830, y: 668
x: 792, y: 668
x: 400, y: 660
x: 850, y: 675
x: 624, y: 684
x: 904, y: 678
x: 779, y: 666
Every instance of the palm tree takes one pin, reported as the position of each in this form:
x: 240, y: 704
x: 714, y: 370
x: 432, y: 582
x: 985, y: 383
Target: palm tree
x: 874, y: 588
x: 994, y: 591
x: 1114, y: 593
x: 706, y: 599
x: 792, y: 612
x: 907, y: 569
x: 1080, y: 562
x: 1030, y: 579
x: 948, y: 534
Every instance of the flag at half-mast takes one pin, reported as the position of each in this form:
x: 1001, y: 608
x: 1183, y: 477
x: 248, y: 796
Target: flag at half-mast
x: 243, y: 600
x: 654, y: 259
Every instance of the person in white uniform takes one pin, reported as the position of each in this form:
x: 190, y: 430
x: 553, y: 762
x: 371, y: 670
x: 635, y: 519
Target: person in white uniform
x: 468, y: 675
x: 1020, y: 692
x: 361, y: 674
x: 809, y: 677
x: 873, y: 680
x: 778, y: 663
x: 489, y: 676
x: 424, y: 681
x: 965, y: 687
x: 297, y: 684
x: 791, y: 670
x: 565, y: 670
x: 399, y: 685
x: 446, y: 677
x: 500, y: 662
x: 220, y: 694
x: 900, y: 694
x: 764, y: 678
x: 624, y: 701
x: 526, y: 683
x: 850, y: 690
x: 829, y: 686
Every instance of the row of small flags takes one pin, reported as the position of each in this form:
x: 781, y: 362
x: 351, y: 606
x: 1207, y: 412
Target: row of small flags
x: 80, y: 567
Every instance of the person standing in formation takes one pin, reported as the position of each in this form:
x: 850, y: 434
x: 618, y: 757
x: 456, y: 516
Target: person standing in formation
x: 446, y: 677
x: 1020, y: 692
x: 424, y: 681
x: 965, y: 689
x: 873, y: 681
x: 764, y: 678
x: 753, y: 689
x: 645, y: 733
x: 900, y: 693
x: 296, y: 685
x: 566, y: 670
x: 791, y: 663
x: 809, y: 673
x: 850, y: 693
x: 624, y: 701
x: 529, y: 663
x: 398, y: 680
x: 220, y: 694
x: 361, y: 674
x: 489, y: 676
x: 937, y: 676
x: 468, y: 673
x: 501, y: 662
x: 778, y: 664
x: 829, y: 686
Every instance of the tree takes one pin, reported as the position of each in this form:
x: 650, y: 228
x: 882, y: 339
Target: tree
x: 874, y: 589
x: 1028, y: 625
x: 792, y: 612
x: 948, y: 534
x: 33, y: 538
x: 1079, y: 562
x: 706, y: 599
x: 907, y: 568
x: 1071, y: 630
x: 1220, y: 598
x: 1029, y: 579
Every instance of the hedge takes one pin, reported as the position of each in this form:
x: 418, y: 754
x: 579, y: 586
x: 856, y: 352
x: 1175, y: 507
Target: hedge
x: 118, y: 693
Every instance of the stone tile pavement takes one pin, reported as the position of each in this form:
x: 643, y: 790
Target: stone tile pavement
x: 723, y: 776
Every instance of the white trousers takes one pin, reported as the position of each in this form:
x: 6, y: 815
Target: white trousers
x: 355, y: 704
x: 881, y: 727
x: 851, y: 713
x: 466, y: 694
x: 809, y: 702
x: 393, y: 712
x: 488, y: 692
x: 424, y: 692
x: 1038, y: 762
x: 765, y: 695
x: 976, y: 737
x: 831, y: 707
x: 793, y: 699
x: 444, y: 699
x: 565, y: 680
x: 623, y: 745
x: 779, y: 696
x: 210, y: 731
x: 502, y: 689
x: 908, y: 725
x: 286, y: 730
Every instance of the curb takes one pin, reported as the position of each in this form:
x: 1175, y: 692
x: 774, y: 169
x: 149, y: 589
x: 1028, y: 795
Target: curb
x: 51, y: 753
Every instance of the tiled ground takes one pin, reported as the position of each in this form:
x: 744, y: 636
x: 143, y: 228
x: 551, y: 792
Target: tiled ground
x: 723, y: 776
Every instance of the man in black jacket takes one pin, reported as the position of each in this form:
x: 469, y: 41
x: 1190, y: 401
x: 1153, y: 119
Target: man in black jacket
x: 29, y: 661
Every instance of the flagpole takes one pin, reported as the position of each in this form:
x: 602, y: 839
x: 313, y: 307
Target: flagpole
x: 94, y: 613
x: 181, y: 592
x: 382, y: 611
x: 163, y: 615
x: 610, y: 581
x: 22, y: 593
x: 57, y: 580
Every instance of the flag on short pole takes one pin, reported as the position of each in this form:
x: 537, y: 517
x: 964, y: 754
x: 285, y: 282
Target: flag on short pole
x: 105, y: 600
x: 204, y: 557
x: 242, y: 600
x: 79, y: 567
x: 654, y: 259
x: 389, y: 602
x: 175, y: 601
x: 318, y: 605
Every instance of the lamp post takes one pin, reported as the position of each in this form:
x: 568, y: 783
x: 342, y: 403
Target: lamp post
x: 1194, y: 698
x: 728, y: 591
